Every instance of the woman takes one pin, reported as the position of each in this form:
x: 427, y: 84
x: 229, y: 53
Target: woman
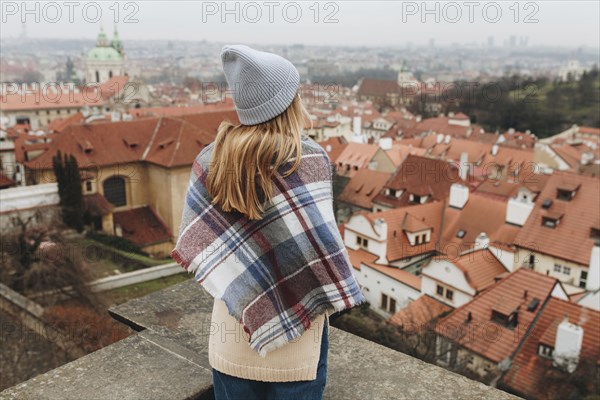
x: 258, y: 230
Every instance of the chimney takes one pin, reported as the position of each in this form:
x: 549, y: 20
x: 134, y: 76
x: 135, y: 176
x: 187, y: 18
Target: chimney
x: 439, y: 138
x: 356, y: 125
x: 418, y: 118
x: 593, y: 278
x: 482, y: 241
x: 118, y: 230
x: 459, y: 195
x: 494, y: 149
x: 464, y: 165
x: 385, y: 143
x: 518, y: 209
x: 381, y: 228
x: 447, y: 139
x: 567, y: 347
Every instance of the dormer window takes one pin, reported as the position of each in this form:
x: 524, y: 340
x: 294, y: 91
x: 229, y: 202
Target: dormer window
x: 565, y: 195
x: 551, y: 220
x: 566, y: 191
x: 393, y: 193
x: 545, y: 351
x: 414, y: 198
x: 508, y: 320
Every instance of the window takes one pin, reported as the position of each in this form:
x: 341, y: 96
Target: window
x: 392, y: 308
x: 88, y: 185
x: 583, y: 279
x: 549, y: 222
x: 440, y: 290
x: 461, y: 234
x: 545, y: 351
x: 418, y: 239
x: 424, y: 238
x: 557, y: 268
x: 114, y: 191
x: 449, y: 294
x: 562, y: 268
x: 362, y: 242
x: 388, y: 303
x: 565, y: 195
x: 384, y: 301
x: 97, y: 76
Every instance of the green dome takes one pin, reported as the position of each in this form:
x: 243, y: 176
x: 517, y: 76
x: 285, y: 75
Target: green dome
x: 104, y: 54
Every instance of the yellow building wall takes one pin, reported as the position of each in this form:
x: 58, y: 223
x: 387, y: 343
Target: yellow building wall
x: 544, y: 264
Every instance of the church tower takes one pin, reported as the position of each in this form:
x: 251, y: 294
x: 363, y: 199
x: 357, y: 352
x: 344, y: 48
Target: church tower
x: 105, y: 60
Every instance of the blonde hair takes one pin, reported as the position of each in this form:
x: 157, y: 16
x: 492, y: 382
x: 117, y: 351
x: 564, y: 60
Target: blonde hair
x: 239, y: 177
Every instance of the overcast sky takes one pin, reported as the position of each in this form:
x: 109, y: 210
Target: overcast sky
x: 374, y: 23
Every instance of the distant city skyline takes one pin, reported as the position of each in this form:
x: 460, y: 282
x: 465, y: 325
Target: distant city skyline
x: 380, y: 23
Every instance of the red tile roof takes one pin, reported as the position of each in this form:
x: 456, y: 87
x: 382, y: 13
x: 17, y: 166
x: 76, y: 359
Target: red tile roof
x: 97, y: 205
x: 363, y: 187
x: 142, y: 226
x: 165, y: 141
x: 226, y: 104
x: 589, y: 130
x: 418, y: 315
x: 420, y: 175
x: 377, y: 87
x: 399, y: 152
x: 486, y: 337
x: 482, y: 213
x: 571, y: 239
x: 334, y: 147
x: 480, y: 267
x: 356, y: 155
x: 398, y: 245
x: 398, y: 274
x: 527, y: 375
x: 360, y: 256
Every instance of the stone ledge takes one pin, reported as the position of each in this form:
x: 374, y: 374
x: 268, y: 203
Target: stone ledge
x: 358, y: 368
x: 168, y: 358
x: 134, y: 368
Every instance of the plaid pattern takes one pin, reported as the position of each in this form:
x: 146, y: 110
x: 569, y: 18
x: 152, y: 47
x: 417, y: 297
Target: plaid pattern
x: 278, y: 274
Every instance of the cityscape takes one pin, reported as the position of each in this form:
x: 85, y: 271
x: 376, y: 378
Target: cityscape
x: 466, y: 191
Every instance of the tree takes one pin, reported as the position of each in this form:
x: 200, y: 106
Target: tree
x: 71, y: 203
x: 36, y: 257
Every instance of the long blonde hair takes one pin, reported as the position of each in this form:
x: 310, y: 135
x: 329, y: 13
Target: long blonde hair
x: 239, y: 177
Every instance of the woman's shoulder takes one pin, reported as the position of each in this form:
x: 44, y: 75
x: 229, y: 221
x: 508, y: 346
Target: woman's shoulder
x: 310, y: 146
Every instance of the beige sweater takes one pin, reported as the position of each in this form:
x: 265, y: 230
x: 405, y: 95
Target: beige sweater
x: 229, y: 352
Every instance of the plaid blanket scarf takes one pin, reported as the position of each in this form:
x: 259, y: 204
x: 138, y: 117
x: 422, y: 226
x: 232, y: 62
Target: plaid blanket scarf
x: 278, y: 274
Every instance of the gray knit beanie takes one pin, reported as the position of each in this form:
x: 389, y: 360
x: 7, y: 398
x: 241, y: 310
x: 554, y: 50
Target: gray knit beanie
x: 262, y: 84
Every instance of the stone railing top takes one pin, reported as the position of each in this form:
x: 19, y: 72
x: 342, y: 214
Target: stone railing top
x: 168, y: 359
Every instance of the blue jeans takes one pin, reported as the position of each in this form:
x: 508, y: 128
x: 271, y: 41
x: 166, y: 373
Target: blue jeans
x: 227, y: 387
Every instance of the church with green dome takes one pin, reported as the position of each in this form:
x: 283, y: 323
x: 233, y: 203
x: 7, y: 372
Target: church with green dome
x: 105, y: 60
